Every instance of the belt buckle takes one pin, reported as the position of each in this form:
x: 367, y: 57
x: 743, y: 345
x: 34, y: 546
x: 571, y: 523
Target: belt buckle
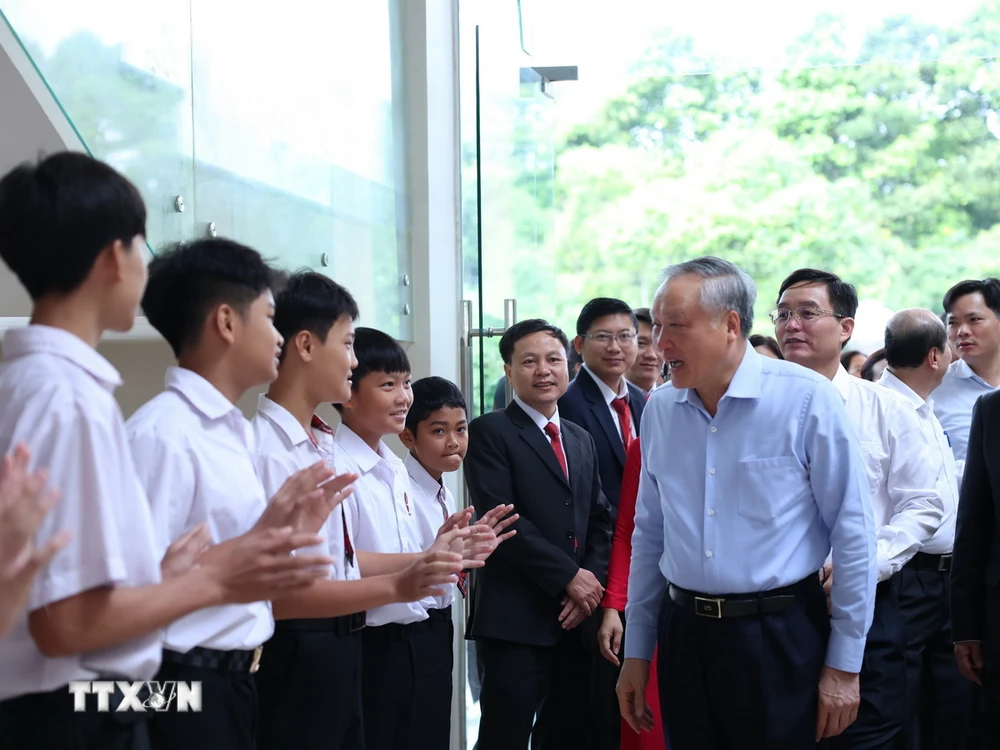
x: 708, y: 607
x: 943, y: 563
x: 255, y: 664
x: 357, y: 622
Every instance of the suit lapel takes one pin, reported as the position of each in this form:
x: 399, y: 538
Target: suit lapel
x: 539, y: 443
x: 602, y: 412
x: 575, y: 457
x: 636, y: 402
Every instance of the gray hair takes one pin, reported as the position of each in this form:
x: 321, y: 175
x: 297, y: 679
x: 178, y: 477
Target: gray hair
x: 725, y: 287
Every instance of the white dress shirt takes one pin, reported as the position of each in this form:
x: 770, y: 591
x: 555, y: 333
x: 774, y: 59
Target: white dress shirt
x: 609, y: 396
x: 281, y: 448
x: 430, y: 515
x: 539, y: 419
x: 908, y: 509
x: 953, y: 402
x: 57, y: 397
x: 192, y: 449
x: 942, y: 459
x: 381, y: 512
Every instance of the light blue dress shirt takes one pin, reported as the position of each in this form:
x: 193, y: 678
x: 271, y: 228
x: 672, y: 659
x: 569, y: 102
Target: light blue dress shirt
x: 753, y: 500
x: 953, y: 402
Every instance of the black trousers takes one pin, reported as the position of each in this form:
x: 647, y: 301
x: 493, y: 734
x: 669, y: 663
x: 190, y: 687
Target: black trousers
x: 521, y: 681
x: 228, y: 716
x: 882, y: 712
x: 406, y: 684
x: 47, y: 721
x: 605, y: 713
x: 743, y: 683
x: 938, y: 698
x: 309, y: 686
x: 990, y: 692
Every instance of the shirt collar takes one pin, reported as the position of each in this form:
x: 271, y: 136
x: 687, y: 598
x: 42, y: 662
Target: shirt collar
x: 420, y: 476
x: 842, y: 382
x: 536, y: 416
x: 358, y: 449
x: 961, y: 369
x: 891, y: 380
x: 39, y: 339
x: 609, y: 395
x: 746, y: 382
x: 281, y: 418
x: 198, y: 392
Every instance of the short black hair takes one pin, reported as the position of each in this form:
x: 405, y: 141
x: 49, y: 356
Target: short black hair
x: 989, y: 288
x: 431, y: 394
x: 189, y: 280
x: 843, y: 296
x: 600, y: 307
x: 868, y: 368
x: 310, y: 301
x: 758, y: 340
x: 908, y: 340
x: 525, y: 328
x: 376, y: 351
x: 846, y: 357
x: 58, y: 215
x: 643, y: 315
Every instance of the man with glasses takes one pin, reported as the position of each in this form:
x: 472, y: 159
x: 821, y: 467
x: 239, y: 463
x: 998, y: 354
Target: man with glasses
x: 813, y: 322
x: 605, y: 404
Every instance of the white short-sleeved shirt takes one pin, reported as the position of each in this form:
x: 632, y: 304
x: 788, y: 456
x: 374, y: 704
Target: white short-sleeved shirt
x: 283, y: 447
x: 193, y: 453
x: 430, y: 514
x: 381, y: 512
x: 57, y: 397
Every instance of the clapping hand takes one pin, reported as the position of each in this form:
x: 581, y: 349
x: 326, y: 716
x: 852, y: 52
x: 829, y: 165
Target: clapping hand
x: 306, y: 499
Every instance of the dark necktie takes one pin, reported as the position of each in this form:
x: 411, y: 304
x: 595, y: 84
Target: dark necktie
x: 319, y: 424
x: 463, y: 583
x: 553, y: 432
x: 620, y: 405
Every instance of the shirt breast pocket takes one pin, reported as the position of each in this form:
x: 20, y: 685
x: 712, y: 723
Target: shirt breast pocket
x: 874, y: 455
x: 770, y: 486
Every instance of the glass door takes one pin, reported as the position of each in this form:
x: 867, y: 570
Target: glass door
x: 508, y: 194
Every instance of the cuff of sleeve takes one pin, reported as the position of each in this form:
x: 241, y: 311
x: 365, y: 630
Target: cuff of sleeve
x: 640, y: 641
x: 845, y: 653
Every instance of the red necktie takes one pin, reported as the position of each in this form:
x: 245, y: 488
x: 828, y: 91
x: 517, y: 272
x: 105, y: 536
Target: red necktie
x: 620, y: 405
x: 553, y: 432
x: 319, y: 424
x: 463, y: 583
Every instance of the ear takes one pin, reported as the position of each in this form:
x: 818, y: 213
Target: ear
x: 732, y: 321
x: 224, y: 322
x: 407, y: 438
x: 303, y: 343
x: 846, y: 329
x: 578, y: 344
x: 113, y: 260
x: 506, y: 371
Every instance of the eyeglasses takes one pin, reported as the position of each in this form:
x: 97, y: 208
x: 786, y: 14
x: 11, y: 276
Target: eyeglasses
x: 804, y: 315
x: 624, y: 338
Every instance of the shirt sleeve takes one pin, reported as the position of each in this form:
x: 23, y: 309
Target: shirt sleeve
x: 912, y: 483
x: 646, y: 585
x: 166, y: 471
x: 840, y: 486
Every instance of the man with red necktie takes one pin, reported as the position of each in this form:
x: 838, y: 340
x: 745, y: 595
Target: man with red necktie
x: 605, y: 404
x: 542, y: 583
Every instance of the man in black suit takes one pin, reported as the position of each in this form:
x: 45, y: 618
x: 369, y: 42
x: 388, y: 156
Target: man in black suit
x: 975, y: 567
x: 543, y: 582
x: 607, y: 406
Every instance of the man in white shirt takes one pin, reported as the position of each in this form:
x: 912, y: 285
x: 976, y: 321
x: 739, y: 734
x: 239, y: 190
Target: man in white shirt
x: 938, y: 697
x: 212, y: 301
x: 814, y: 319
x: 972, y: 311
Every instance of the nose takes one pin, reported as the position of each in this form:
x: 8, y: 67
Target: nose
x: 793, y: 324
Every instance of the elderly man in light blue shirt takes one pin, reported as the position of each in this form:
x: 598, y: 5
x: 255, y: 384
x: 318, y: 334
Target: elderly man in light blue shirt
x: 751, y: 475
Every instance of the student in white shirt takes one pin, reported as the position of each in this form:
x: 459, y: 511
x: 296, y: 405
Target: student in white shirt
x: 313, y: 666
x: 403, y: 682
x: 814, y: 319
x: 211, y: 300
x: 73, y: 231
x: 939, y: 699
x: 437, y: 437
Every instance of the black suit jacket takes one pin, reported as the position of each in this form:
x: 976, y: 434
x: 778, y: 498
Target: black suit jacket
x: 976, y: 559
x: 584, y: 404
x: 565, y: 524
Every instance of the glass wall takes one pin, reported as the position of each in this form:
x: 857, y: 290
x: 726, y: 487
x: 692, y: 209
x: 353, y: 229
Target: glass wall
x: 284, y: 130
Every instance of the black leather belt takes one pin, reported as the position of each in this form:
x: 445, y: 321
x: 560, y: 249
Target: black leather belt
x: 211, y: 658
x: 439, y: 614
x: 740, y: 605
x: 940, y: 563
x: 343, y: 625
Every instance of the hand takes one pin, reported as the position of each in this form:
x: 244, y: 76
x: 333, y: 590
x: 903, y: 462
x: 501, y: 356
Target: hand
x: 184, y: 553
x: 306, y: 499
x: 496, y: 520
x: 24, y: 504
x: 839, y: 698
x: 609, y: 635
x: 457, y: 520
x: 632, y: 695
x: 585, y: 590
x: 969, y: 655
x: 572, y: 613
x: 427, y: 575
x: 259, y: 566
x: 826, y: 578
